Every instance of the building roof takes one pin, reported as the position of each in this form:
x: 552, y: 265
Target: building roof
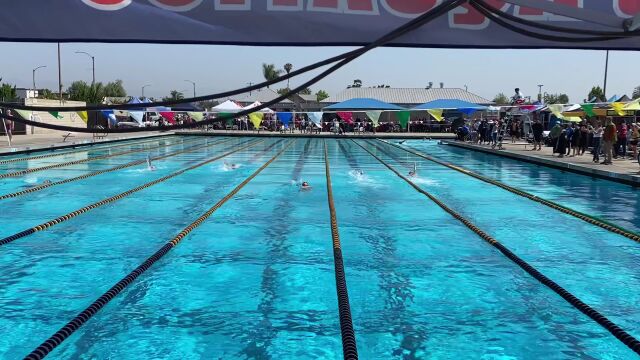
x: 408, y: 96
x: 308, y: 98
x: 452, y: 104
x: 363, y: 104
x: 262, y: 96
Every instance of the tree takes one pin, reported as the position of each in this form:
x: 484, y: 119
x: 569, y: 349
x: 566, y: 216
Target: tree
x: 283, y: 91
x: 81, y: 91
x: 501, y: 99
x: 357, y: 83
x: 321, y: 95
x: 270, y: 72
x: 596, y: 93
x: 174, y: 95
x: 115, y: 89
x: 8, y: 92
x: 48, y: 94
x: 556, y: 98
x: 288, y: 67
x: 636, y: 93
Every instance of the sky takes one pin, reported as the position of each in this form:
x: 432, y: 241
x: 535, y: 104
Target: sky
x: 221, y: 68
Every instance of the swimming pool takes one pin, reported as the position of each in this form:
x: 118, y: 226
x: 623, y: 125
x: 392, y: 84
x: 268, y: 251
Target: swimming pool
x: 257, y: 278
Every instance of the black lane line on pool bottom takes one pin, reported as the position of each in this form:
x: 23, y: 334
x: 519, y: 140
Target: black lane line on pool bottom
x: 114, y: 198
x: 116, y: 168
x: 349, y: 346
x: 61, y: 335
x: 92, y: 147
x: 582, y: 216
x: 627, y: 339
x: 76, y: 162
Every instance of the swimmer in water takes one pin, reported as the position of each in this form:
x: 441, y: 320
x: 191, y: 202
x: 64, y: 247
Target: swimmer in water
x: 305, y: 186
x: 232, y: 166
x: 414, y: 172
x: 150, y: 166
x: 29, y: 186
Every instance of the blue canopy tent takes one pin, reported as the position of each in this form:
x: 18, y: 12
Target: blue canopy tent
x: 362, y: 104
x: 453, y: 104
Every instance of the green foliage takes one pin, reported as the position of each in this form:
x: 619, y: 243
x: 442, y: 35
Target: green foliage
x: 8, y: 92
x: 173, y: 96
x: 270, y: 72
x: 501, y: 99
x: 95, y: 94
x: 283, y: 91
x: 321, y: 95
x: 556, y: 98
x: 115, y: 89
x: 357, y: 83
x: 597, y: 93
x: 48, y: 94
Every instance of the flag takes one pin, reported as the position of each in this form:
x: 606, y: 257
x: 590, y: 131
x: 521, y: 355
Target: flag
x: 437, y: 114
x: 84, y: 116
x: 346, y: 116
x: 316, y: 118
x: 256, y: 119
x: 197, y: 116
x: 556, y: 110
x: 619, y: 108
x: 588, y: 109
x: 285, y: 117
x: 374, y: 116
x: 403, y: 117
x: 56, y: 115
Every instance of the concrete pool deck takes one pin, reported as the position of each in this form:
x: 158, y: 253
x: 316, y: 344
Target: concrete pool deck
x: 623, y: 171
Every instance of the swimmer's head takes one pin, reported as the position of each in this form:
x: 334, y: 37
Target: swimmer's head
x: 47, y: 182
x: 305, y: 184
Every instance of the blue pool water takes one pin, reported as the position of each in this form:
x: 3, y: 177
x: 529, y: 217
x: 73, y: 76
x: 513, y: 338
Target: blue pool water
x: 256, y: 280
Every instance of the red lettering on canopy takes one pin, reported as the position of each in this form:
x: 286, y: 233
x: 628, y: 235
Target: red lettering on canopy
x: 364, y: 6
x: 285, y: 5
x: 233, y: 4
x: 176, y: 5
x: 626, y: 8
x: 409, y: 8
x: 108, y: 5
x: 467, y: 17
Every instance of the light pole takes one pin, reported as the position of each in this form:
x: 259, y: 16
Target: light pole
x: 146, y: 86
x: 540, y: 92
x: 606, y: 72
x: 93, y: 64
x: 34, y: 75
x: 194, y: 87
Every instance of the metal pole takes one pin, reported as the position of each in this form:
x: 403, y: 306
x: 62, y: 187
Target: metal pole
x: 194, y: 86
x: 59, y: 74
x: 606, y: 72
x: 540, y: 92
x: 145, y: 86
x: 34, y: 75
x: 93, y: 65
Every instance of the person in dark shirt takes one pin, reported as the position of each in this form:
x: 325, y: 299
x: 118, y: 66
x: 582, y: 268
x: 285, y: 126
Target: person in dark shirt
x: 537, y: 130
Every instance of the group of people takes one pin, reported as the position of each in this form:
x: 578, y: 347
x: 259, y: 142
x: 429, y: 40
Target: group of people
x: 480, y: 132
x: 608, y: 139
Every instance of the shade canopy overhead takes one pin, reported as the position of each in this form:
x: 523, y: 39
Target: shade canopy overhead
x: 363, y: 104
x: 227, y: 106
x: 450, y: 105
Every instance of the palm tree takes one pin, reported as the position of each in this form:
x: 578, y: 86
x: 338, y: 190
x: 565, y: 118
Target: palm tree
x: 287, y: 68
x: 270, y: 72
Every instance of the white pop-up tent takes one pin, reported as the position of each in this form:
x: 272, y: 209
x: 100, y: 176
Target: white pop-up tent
x: 227, y: 107
x: 256, y: 104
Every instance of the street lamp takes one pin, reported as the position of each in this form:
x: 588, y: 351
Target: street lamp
x: 146, y: 86
x: 34, y: 75
x: 194, y: 87
x: 93, y: 64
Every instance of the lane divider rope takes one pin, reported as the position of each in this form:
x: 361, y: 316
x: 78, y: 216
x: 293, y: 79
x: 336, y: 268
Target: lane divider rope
x: 349, y: 346
x: 111, y: 199
x: 75, y: 162
x: 61, y: 335
x: 86, y: 147
x: 627, y: 339
x: 582, y: 216
x: 100, y: 172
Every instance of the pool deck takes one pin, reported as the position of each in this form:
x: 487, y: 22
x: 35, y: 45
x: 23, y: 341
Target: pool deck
x: 623, y: 171
x: 22, y: 144
x: 321, y: 135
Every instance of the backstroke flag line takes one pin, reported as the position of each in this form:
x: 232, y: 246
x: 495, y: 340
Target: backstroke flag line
x: 291, y: 22
x: 374, y: 116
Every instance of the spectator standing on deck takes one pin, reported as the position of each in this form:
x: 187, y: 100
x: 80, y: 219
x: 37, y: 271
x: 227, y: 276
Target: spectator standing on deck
x: 537, y: 130
x: 569, y: 134
x: 561, y: 143
x: 597, y: 142
x: 621, y: 145
x: 609, y: 137
x: 634, y: 137
x: 584, y: 139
